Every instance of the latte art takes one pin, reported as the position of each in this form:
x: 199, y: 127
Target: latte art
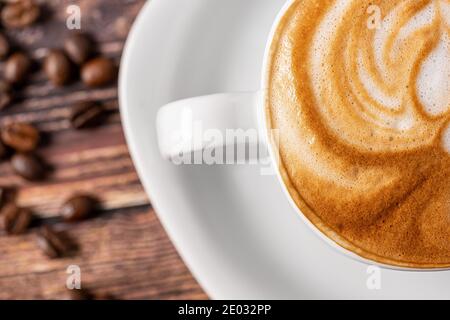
x: 392, y: 82
x: 364, y: 120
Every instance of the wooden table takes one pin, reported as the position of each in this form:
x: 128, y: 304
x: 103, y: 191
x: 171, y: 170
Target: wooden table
x: 124, y: 251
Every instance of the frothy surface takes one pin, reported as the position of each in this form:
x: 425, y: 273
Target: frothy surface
x: 363, y: 115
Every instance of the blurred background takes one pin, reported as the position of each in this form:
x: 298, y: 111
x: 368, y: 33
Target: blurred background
x: 122, y: 251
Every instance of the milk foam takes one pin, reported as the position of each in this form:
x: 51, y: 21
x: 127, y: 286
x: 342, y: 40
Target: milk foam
x: 433, y: 84
x: 363, y: 117
x: 446, y: 139
x: 390, y: 105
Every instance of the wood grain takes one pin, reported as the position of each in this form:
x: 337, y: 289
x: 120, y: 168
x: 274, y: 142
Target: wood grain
x: 124, y: 251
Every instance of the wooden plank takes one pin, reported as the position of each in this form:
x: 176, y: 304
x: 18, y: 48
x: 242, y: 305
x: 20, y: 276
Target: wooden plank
x: 100, y: 166
x: 124, y: 251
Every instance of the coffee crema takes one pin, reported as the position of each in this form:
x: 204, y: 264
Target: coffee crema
x: 362, y: 113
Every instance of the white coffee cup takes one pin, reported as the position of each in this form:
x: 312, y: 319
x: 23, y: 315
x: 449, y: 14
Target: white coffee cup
x: 243, y: 111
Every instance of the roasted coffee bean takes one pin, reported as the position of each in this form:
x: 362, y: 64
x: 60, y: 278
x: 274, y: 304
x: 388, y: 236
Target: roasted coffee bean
x: 28, y: 166
x: 4, y: 47
x: 80, y: 294
x: 77, y: 208
x: 14, y: 220
x: 79, y: 48
x: 58, y: 67
x: 3, y: 150
x: 98, y: 72
x: 86, y: 115
x: 3, y: 196
x: 84, y: 294
x: 22, y: 137
x: 7, y: 195
x: 104, y: 296
x: 52, y: 243
x: 20, y: 14
x: 17, y: 68
x: 6, y: 95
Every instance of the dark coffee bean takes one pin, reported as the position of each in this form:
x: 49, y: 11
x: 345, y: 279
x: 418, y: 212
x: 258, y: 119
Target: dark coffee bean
x: 14, y: 220
x: 52, y: 243
x: 7, y: 195
x: 28, y: 166
x: 80, y: 294
x: 22, y: 137
x: 4, y: 47
x: 3, y: 196
x: 98, y: 72
x: 20, y: 14
x: 17, y: 68
x: 58, y: 67
x: 87, y: 115
x: 84, y: 294
x: 3, y: 151
x: 79, y: 48
x: 6, y: 95
x: 104, y: 296
x: 78, y: 207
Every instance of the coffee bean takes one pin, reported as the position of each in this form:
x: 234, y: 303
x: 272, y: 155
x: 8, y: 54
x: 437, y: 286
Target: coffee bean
x: 28, y: 166
x: 6, y: 95
x: 4, y: 47
x: 77, y: 208
x: 79, y: 294
x: 22, y: 137
x: 7, y: 195
x: 20, y: 14
x: 58, y: 67
x: 87, y: 115
x: 52, y: 243
x: 98, y: 72
x: 3, y: 150
x: 14, y: 220
x: 79, y: 48
x: 3, y: 196
x: 17, y: 68
x: 84, y: 294
x: 104, y: 296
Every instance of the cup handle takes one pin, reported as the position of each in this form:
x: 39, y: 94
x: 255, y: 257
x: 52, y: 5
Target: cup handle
x: 195, y: 124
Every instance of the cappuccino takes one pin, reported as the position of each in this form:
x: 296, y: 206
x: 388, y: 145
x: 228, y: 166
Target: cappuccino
x: 362, y: 110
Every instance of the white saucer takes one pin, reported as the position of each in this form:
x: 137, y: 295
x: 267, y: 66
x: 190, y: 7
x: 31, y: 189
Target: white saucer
x: 233, y: 227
